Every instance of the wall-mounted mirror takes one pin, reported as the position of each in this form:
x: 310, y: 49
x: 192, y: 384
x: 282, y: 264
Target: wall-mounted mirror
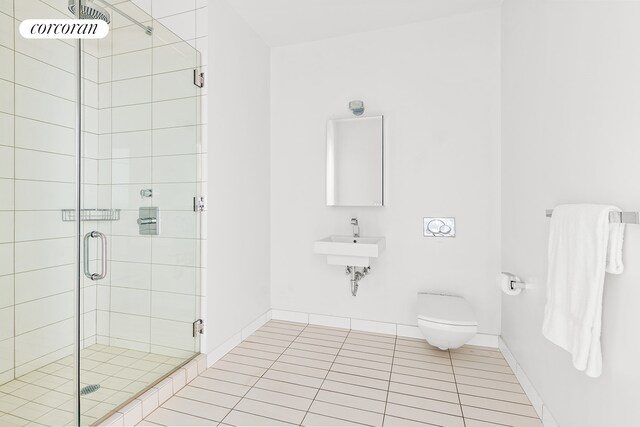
x: 354, y: 162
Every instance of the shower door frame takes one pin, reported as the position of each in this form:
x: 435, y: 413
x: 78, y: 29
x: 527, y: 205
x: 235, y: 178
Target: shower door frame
x: 78, y: 223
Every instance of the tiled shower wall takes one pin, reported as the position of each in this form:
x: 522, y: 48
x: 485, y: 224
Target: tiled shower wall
x: 37, y: 94
x: 150, y: 133
x: 151, y: 295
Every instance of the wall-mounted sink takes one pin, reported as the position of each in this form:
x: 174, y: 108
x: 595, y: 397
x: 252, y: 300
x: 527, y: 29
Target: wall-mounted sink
x: 348, y: 250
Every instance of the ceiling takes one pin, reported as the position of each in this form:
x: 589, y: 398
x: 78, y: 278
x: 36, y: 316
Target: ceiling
x: 284, y: 22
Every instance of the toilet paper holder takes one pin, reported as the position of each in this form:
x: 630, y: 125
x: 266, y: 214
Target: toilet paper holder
x: 514, y: 281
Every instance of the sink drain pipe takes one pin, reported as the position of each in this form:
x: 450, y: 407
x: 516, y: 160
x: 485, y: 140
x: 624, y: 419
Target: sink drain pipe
x: 356, y: 276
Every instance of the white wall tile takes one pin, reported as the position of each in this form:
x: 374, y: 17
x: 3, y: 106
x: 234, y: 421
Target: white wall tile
x: 6, y: 97
x: 131, y: 275
x: 38, y: 165
x: 6, y: 194
x: 180, y: 112
x: 7, y: 129
x: 175, y: 251
x: 39, y: 313
x: 176, y: 279
x: 131, y: 249
x: 173, y: 57
x: 202, y: 23
x: 6, y: 226
x: 162, y: 8
x: 6, y: 323
x: 128, y: 195
x: 104, y: 70
x: 130, y: 39
x: 131, y: 91
x: 53, y: 52
x: 6, y: 162
x: 131, y: 170
x: 37, y: 195
x: 180, y: 307
x: 37, y: 135
x: 34, y: 225
x: 173, y: 85
x: 180, y: 224
x: 174, y: 168
x: 137, y: 9
x: 178, y: 140
x: 6, y: 291
x: 41, y: 106
x: 6, y: 360
x: 131, y: 144
x: 177, y: 196
x: 6, y: 31
x: 43, y: 253
x: 6, y: 259
x: 90, y: 61
x: 30, y: 72
x: 43, y: 283
x: 102, y: 322
x: 130, y: 301
x: 133, y: 64
x: 172, y: 334
x: 7, y: 61
x: 44, y: 341
x: 183, y: 24
x: 131, y: 118
x: 130, y: 327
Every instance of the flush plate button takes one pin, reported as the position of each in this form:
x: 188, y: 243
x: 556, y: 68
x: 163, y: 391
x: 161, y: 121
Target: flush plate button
x: 439, y: 227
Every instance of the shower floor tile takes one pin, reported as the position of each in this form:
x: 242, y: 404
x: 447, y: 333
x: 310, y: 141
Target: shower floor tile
x: 45, y: 396
x: 294, y: 374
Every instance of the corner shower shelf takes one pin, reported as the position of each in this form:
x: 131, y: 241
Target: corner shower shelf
x: 91, y: 214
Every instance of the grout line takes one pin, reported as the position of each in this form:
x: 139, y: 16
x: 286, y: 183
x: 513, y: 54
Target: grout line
x: 261, y: 376
x: 386, y: 401
x: 457, y: 391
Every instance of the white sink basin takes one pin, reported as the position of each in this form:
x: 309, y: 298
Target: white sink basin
x: 350, y: 251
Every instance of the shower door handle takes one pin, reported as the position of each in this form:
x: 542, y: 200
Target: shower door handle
x: 103, y: 240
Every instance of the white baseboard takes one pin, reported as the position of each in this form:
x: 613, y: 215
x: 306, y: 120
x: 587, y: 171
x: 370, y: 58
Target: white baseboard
x: 237, y: 338
x: 538, y: 404
x: 409, y: 331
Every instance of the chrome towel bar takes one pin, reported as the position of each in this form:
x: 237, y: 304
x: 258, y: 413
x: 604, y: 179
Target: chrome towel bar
x: 616, y: 217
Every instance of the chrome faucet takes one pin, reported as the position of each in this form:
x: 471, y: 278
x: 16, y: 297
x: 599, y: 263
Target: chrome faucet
x: 356, y: 227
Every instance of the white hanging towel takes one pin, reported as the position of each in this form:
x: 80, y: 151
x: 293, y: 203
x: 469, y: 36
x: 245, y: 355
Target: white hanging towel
x: 583, y: 245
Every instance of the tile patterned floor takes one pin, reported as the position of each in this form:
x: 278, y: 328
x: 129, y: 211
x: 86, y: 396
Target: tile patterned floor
x: 294, y: 374
x: 44, y: 397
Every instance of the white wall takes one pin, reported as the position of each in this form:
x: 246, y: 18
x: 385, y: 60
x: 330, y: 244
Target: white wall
x: 437, y: 84
x: 570, y: 135
x: 238, y: 163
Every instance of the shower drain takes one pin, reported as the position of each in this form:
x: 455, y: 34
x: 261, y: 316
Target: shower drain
x: 89, y: 389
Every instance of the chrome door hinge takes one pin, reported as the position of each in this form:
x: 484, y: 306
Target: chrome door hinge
x: 198, y: 78
x: 198, y: 204
x: 198, y: 327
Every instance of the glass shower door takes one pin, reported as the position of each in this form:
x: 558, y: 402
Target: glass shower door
x: 38, y: 315
x: 74, y: 352
x: 141, y: 174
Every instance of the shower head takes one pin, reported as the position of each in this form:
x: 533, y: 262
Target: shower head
x: 89, y: 10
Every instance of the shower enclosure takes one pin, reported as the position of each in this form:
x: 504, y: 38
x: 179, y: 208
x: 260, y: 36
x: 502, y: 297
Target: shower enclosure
x: 100, y: 160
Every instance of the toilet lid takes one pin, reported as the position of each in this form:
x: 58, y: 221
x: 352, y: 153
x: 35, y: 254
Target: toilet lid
x: 445, y: 309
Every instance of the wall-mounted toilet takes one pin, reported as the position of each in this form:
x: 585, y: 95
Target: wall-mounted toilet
x: 446, y: 321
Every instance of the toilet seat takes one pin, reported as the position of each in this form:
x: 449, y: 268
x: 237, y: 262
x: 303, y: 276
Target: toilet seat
x: 442, y: 309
